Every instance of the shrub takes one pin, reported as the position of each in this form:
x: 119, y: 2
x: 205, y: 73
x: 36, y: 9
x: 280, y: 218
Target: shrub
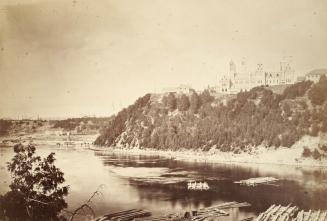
x: 306, y: 152
x: 316, y: 155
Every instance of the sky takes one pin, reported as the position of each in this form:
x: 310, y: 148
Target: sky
x: 83, y: 57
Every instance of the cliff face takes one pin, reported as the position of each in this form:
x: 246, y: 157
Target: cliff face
x: 234, y: 124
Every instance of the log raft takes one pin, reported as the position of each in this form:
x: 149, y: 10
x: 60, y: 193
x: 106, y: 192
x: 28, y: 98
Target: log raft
x: 202, y: 214
x: 257, y: 181
x: 127, y: 215
x: 290, y: 213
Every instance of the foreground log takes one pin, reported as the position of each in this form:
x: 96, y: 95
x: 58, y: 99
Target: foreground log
x: 127, y: 215
x: 207, y: 213
x: 291, y: 213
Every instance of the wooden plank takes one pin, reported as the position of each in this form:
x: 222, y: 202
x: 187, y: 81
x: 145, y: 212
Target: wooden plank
x: 247, y: 219
x: 292, y: 211
x: 275, y: 210
x: 270, y: 208
x: 119, y: 213
x: 126, y: 214
x: 317, y: 216
x: 300, y: 216
x: 261, y: 216
x: 275, y: 217
x: 323, y: 216
x: 284, y: 209
x: 131, y: 216
x: 308, y: 216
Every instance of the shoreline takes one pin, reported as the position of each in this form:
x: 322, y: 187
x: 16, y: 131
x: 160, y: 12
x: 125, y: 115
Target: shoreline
x: 216, y: 157
x: 258, y: 155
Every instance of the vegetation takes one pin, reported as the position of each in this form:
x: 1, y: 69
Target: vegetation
x: 4, y: 127
x: 82, y: 125
x: 36, y: 189
x: 317, y: 153
x: 317, y: 90
x: 201, y: 121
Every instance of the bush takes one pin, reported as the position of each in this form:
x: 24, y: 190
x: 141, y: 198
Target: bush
x: 306, y: 152
x: 195, y: 102
x: 316, y: 155
x: 297, y: 90
x: 171, y: 101
x: 183, y: 103
x: 323, y: 148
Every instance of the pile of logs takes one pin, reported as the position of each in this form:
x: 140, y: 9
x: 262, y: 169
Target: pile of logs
x: 311, y: 216
x: 278, y: 213
x: 207, y: 213
x: 289, y: 213
x: 127, y: 215
x: 273, y: 213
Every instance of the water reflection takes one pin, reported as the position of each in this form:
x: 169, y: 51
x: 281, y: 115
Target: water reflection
x: 159, y: 184
x: 304, y: 187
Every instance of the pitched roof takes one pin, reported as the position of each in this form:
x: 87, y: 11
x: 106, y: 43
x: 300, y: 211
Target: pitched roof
x: 318, y: 72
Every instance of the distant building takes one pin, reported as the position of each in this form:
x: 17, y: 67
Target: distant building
x: 243, y: 80
x: 315, y: 75
x: 300, y: 79
x: 181, y: 89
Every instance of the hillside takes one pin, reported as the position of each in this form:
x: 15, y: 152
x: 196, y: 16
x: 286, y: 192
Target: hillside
x: 203, y: 122
x: 84, y: 125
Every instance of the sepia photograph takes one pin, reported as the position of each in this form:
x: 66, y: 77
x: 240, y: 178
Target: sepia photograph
x: 163, y: 110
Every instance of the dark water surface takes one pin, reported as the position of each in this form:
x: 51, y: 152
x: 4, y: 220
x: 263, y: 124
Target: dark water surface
x: 159, y: 184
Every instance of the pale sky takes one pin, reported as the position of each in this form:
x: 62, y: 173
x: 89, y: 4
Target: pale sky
x: 62, y: 58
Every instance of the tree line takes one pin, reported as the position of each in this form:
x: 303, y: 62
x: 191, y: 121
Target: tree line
x: 201, y: 121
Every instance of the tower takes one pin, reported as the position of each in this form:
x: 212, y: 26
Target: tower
x: 243, y: 66
x: 232, y: 67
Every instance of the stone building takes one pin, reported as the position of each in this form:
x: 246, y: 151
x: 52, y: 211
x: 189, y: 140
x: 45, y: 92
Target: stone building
x: 315, y: 75
x: 181, y: 89
x: 243, y: 80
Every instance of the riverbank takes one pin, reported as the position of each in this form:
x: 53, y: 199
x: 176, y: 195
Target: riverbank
x: 261, y: 155
x: 43, y: 139
x: 258, y: 155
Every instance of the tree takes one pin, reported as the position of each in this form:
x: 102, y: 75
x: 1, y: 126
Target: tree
x: 306, y: 152
x: 36, y: 189
x: 317, y: 93
x: 183, y: 103
x: 171, y: 101
x: 195, y: 102
x: 206, y: 97
x: 316, y: 155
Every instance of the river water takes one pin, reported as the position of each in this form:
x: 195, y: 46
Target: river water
x: 159, y: 184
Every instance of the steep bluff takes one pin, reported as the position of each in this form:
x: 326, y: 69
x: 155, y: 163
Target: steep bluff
x: 206, y: 121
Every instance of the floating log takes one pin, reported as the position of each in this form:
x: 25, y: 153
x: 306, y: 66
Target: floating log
x: 247, y: 219
x: 126, y: 215
x: 257, y: 181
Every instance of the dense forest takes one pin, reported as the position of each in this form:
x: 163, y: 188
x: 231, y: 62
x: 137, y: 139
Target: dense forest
x: 203, y: 121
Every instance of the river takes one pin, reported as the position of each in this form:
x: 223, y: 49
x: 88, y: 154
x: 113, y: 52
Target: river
x: 159, y: 184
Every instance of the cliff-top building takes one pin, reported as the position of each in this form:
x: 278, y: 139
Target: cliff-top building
x: 315, y: 75
x: 237, y: 80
